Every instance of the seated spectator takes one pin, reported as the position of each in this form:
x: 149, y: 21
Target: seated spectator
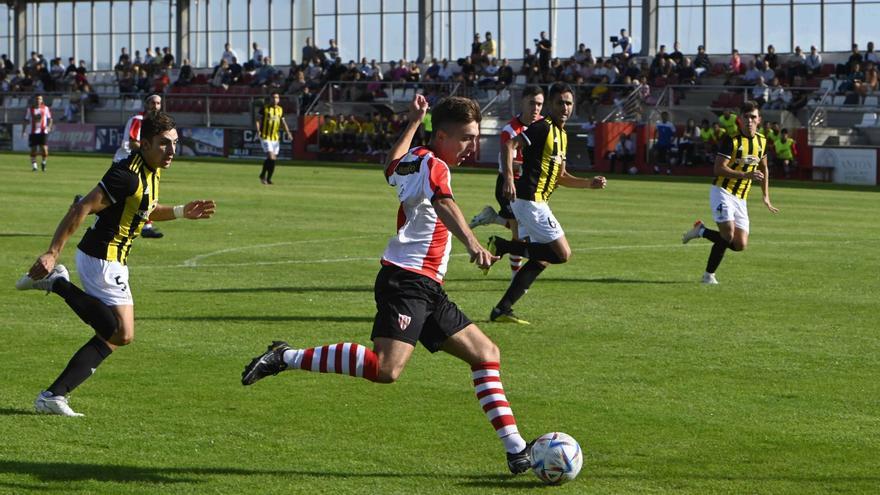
x: 228, y: 54
x: 505, y: 73
x: 220, y: 77
x: 853, y: 79
x: 71, y: 110
x: 869, y: 85
x: 306, y: 98
x: 433, y: 71
x: 702, y: 62
x: 761, y: 92
x: 753, y: 73
x: 126, y: 80
x: 57, y: 72
x: 415, y: 73
x: 625, y: 151
x: 580, y: 56
x: 70, y: 71
x: 401, y: 72
x: 377, y: 71
x: 779, y: 98
x: 871, y: 55
x: 476, y: 49
x: 186, y: 75
x: 257, y: 58
x: 687, y: 144
x: 676, y: 55
x: 489, y: 77
x: 167, y: 58
x: 235, y: 72
x: 813, y: 62
x: 137, y: 58
x: 161, y: 81
x: 734, y: 66
x: 686, y: 72
x: 446, y: 72
x: 266, y: 74
x: 766, y: 72
x: 529, y: 61
x: 468, y: 71
x: 796, y: 65
x: 142, y: 82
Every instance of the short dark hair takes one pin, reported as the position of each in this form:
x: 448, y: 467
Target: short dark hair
x: 558, y: 89
x: 533, y: 90
x: 748, y: 106
x: 455, y: 110
x: 155, y: 124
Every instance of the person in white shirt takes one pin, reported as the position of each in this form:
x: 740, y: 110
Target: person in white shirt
x: 625, y: 151
x: 761, y: 92
x: 813, y: 62
x: 228, y: 54
x: 257, y: 59
x: 779, y: 98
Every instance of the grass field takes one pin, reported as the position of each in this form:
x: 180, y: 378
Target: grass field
x: 767, y: 383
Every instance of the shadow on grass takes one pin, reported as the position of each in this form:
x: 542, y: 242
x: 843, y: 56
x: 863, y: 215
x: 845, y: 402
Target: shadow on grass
x: 22, y: 234
x: 9, y: 411
x: 292, y: 290
x: 565, y: 280
x: 62, y: 472
x: 254, y: 318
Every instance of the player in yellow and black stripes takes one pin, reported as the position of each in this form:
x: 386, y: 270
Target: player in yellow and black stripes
x: 269, y: 123
x: 544, y: 146
x: 126, y: 197
x: 742, y: 158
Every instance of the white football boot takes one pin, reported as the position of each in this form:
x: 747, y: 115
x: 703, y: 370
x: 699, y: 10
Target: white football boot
x: 694, y: 233
x: 25, y: 282
x: 46, y: 403
x: 486, y: 216
x: 709, y: 279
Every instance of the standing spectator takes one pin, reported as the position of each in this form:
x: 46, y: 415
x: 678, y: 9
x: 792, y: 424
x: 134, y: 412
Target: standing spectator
x: 476, y: 49
x: 137, y: 58
x: 148, y: 56
x: 167, y: 58
x: 70, y: 71
x: 795, y: 66
x: 786, y: 151
x: 489, y: 48
x: 814, y: 62
x: 664, y: 133
x: 624, y: 42
x: 545, y: 51
x: 727, y: 122
x: 228, y: 54
x: 529, y: 61
x: 8, y: 65
x: 39, y: 120
x: 332, y: 52
x: 308, y: 51
x: 257, y: 58
x: 771, y: 60
x: 57, y: 72
x: 871, y: 55
x: 734, y: 66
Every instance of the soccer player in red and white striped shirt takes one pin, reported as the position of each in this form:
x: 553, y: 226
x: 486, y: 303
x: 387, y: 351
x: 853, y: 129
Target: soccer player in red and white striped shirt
x: 531, y: 103
x: 131, y: 142
x: 38, y: 120
x: 411, y: 303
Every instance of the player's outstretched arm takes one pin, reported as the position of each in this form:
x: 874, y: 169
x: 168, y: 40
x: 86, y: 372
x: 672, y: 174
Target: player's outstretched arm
x: 765, y: 186
x: 93, y: 202
x: 200, y: 209
x: 451, y: 216
x: 417, y: 110
x: 568, y: 180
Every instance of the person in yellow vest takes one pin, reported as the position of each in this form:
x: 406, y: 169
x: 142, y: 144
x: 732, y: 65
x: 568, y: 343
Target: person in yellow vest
x: 329, y: 130
x: 786, y: 151
x: 727, y: 120
x: 427, y: 128
x: 351, y: 128
x: 707, y: 136
x: 269, y: 122
x: 365, y: 138
x: 742, y: 159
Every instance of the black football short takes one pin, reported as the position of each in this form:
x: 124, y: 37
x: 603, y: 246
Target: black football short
x: 414, y: 308
x: 37, y: 140
x: 504, y: 209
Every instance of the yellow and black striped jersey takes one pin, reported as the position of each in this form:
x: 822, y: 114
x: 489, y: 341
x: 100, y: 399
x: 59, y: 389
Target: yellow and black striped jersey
x: 543, y: 156
x: 270, y: 122
x: 745, y: 154
x: 133, y: 191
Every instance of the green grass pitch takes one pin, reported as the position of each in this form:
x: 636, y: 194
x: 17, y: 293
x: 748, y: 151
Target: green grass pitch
x: 767, y: 383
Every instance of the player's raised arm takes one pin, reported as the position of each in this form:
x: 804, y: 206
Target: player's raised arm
x: 417, y: 110
x: 93, y: 202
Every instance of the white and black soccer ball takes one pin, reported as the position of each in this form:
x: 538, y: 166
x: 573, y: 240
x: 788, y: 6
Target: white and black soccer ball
x: 556, y: 458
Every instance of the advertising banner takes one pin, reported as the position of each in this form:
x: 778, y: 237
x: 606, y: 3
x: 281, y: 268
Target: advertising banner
x: 108, y: 139
x: 72, y: 137
x: 201, y: 141
x: 245, y: 143
x: 851, y: 165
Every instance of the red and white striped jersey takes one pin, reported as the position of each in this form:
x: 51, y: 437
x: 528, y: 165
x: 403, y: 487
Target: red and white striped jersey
x: 513, y: 129
x: 132, y: 132
x: 39, y: 118
x: 422, y: 243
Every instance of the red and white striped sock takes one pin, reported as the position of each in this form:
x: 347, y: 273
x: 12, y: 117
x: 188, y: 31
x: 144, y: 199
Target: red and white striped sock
x: 490, y: 393
x: 343, y: 358
x: 515, y: 263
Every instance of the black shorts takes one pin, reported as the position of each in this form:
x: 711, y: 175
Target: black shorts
x: 414, y: 308
x: 37, y: 140
x: 504, y: 209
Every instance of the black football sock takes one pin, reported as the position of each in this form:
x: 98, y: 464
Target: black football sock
x: 713, y: 235
x: 265, y: 166
x: 81, y: 366
x: 715, y: 256
x: 270, y: 169
x: 89, y: 308
x: 520, y: 284
x: 530, y: 250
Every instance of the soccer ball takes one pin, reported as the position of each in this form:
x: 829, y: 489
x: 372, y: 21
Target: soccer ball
x: 556, y: 458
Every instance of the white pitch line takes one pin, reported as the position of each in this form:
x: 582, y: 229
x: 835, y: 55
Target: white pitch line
x: 670, y: 245
x: 194, y: 261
